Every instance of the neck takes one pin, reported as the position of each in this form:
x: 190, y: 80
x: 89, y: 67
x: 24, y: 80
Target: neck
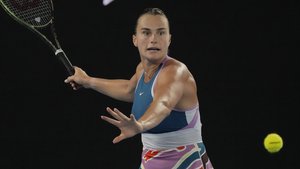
x: 149, y: 71
x: 151, y: 67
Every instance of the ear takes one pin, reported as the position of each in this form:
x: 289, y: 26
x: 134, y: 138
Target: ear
x: 134, y: 40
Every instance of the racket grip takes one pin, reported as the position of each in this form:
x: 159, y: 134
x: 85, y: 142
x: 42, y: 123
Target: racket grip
x: 65, y: 61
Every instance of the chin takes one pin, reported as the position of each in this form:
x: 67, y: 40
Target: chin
x: 154, y: 57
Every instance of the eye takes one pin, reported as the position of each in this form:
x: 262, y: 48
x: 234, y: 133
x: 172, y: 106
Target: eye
x: 162, y: 32
x: 145, y: 33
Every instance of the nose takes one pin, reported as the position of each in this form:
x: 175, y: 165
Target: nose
x: 153, y: 38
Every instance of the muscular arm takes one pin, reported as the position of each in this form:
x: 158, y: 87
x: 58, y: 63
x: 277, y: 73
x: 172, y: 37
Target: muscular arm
x: 168, y: 92
x: 120, y: 89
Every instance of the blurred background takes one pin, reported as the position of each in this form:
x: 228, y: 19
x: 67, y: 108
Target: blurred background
x: 243, y: 55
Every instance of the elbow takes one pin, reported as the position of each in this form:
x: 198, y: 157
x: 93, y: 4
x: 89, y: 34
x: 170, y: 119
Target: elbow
x: 167, y: 108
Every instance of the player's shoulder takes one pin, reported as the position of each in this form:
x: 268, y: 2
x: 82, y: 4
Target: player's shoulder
x: 175, y: 67
x: 175, y: 64
x: 139, y: 67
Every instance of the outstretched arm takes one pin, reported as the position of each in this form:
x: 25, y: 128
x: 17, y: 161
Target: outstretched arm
x: 119, y: 89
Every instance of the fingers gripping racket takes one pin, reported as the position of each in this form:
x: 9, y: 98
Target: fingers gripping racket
x: 37, y: 15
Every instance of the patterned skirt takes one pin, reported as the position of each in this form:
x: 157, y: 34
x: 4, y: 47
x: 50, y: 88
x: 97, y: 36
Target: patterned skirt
x: 192, y: 156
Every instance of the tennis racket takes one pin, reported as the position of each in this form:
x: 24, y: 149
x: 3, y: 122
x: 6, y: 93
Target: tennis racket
x: 38, y: 16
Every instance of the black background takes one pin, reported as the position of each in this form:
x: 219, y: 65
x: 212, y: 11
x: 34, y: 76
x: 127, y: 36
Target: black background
x: 243, y: 54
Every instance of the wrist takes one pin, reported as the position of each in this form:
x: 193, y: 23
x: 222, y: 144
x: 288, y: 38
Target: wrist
x: 143, y: 126
x: 89, y: 82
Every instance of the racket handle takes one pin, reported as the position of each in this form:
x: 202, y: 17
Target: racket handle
x: 65, y: 61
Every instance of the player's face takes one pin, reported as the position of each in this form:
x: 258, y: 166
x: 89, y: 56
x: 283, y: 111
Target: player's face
x: 152, y: 37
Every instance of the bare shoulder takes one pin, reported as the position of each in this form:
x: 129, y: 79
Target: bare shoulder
x: 176, y: 67
x: 139, y: 69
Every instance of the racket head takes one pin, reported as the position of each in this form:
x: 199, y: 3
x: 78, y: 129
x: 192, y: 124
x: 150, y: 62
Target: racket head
x: 32, y: 13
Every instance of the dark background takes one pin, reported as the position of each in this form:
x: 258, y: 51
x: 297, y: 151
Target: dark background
x: 243, y: 54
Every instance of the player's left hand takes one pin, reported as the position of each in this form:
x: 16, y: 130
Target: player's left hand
x: 128, y: 126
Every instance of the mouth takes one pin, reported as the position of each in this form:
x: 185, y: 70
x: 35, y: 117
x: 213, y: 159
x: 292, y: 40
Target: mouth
x: 153, y: 49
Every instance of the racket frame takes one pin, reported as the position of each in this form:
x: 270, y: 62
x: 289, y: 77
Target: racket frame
x: 56, y: 49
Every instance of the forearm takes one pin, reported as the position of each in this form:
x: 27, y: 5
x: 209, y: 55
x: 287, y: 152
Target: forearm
x: 154, y: 116
x: 114, y: 88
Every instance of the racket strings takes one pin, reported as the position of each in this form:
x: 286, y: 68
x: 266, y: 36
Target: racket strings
x: 37, y: 13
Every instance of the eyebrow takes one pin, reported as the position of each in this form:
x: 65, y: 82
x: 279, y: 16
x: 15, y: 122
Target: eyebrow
x: 159, y: 29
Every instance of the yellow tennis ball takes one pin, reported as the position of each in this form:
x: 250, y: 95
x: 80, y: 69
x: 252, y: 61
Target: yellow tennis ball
x: 273, y: 143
